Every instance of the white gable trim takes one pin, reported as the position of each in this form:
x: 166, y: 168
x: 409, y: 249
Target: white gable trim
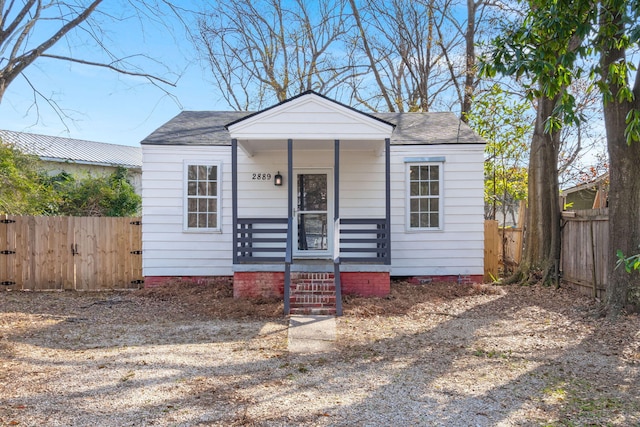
x: 311, y: 117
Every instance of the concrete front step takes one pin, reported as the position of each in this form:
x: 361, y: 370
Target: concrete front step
x: 307, y: 311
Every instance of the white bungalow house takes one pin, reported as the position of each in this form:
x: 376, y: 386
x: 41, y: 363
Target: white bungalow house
x: 311, y: 199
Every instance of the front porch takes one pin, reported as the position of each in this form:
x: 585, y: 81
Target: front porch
x: 312, y: 243
x: 312, y: 256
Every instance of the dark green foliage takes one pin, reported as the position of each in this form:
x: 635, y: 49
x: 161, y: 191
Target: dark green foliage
x: 26, y: 189
x: 23, y: 189
x: 110, y: 195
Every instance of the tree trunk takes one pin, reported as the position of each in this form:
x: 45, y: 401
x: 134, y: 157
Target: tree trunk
x: 542, y: 242
x: 624, y: 188
x: 624, y: 208
x: 470, y: 69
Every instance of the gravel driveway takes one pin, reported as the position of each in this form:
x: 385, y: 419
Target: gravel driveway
x: 434, y: 355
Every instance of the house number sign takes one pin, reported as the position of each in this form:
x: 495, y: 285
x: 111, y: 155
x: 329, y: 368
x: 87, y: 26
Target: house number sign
x: 261, y: 176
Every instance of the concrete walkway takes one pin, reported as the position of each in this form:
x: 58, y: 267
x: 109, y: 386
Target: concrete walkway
x: 311, y: 334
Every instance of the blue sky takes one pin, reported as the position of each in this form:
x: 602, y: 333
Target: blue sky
x: 103, y: 105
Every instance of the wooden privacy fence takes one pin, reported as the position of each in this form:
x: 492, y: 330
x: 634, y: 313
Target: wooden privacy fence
x: 584, y: 259
x: 585, y: 245
x: 81, y: 253
x: 502, y: 249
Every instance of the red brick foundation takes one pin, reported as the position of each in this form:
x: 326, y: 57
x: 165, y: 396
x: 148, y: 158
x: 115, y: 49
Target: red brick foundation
x: 258, y: 284
x: 466, y: 279
x: 153, y: 281
x: 271, y: 284
x: 366, y: 284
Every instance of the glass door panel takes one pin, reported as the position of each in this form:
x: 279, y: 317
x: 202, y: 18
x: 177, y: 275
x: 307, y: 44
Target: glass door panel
x: 312, y: 209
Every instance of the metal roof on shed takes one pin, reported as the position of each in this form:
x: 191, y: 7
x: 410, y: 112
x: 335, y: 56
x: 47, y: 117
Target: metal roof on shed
x: 58, y: 149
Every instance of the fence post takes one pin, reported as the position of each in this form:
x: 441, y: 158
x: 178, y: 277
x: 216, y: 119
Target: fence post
x: 491, y: 250
x: 7, y: 255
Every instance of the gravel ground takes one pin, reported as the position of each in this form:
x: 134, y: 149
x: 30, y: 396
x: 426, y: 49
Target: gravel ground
x: 432, y: 355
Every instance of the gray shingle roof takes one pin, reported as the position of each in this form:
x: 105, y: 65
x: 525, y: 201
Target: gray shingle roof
x: 196, y: 128
x: 429, y: 128
x: 208, y: 128
x: 57, y: 149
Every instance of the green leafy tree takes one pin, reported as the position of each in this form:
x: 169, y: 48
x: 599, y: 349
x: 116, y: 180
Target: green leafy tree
x: 505, y: 123
x: 23, y: 189
x: 26, y: 189
x: 110, y: 195
x: 556, y: 44
x: 542, y: 55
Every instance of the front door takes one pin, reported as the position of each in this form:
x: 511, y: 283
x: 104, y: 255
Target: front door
x: 311, y: 216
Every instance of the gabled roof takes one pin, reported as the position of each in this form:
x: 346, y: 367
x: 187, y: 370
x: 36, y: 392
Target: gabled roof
x: 210, y: 127
x: 310, y: 116
x: 302, y: 95
x: 57, y: 149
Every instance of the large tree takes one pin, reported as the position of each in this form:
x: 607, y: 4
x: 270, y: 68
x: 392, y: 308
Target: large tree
x: 618, y: 33
x: 555, y: 45
x: 266, y: 51
x: 31, y: 30
x: 422, y: 53
x: 380, y: 55
x: 534, y: 51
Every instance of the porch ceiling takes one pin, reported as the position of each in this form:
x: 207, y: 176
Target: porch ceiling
x: 254, y: 146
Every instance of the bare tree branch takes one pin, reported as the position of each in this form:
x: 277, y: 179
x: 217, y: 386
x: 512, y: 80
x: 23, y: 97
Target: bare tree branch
x: 31, y: 32
x: 110, y: 67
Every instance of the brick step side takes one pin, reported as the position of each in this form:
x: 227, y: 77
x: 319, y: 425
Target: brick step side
x: 313, y: 293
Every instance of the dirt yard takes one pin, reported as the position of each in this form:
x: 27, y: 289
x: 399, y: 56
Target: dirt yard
x: 437, y: 354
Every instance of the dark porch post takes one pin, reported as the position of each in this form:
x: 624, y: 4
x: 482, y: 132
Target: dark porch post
x: 336, y: 222
x: 288, y: 255
x: 387, y: 171
x: 290, y: 179
x: 234, y: 196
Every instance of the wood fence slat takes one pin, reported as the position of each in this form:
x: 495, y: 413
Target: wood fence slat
x: 104, y: 252
x: 66, y: 254
x: 510, y: 247
x: 491, y: 250
x: 84, y: 259
x: 121, y: 258
x: 135, y: 233
x: 24, y: 243
x: 7, y: 273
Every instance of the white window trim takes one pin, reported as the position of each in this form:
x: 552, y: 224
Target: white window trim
x: 185, y: 196
x: 439, y: 161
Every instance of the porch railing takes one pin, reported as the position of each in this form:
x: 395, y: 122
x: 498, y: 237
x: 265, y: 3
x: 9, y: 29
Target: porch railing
x: 261, y: 240
x: 264, y: 240
x: 365, y: 240
x: 288, y: 258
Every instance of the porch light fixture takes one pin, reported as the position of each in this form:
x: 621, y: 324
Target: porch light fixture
x: 277, y: 180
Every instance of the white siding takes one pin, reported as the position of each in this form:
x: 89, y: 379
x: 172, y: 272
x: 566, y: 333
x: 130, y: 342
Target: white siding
x: 169, y: 250
x: 459, y: 247
x: 310, y: 117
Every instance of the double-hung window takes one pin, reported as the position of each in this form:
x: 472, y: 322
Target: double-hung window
x: 202, y: 196
x: 425, y: 196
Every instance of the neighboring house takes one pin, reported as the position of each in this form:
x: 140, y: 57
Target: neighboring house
x: 76, y: 156
x: 312, y: 189
x: 589, y: 195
